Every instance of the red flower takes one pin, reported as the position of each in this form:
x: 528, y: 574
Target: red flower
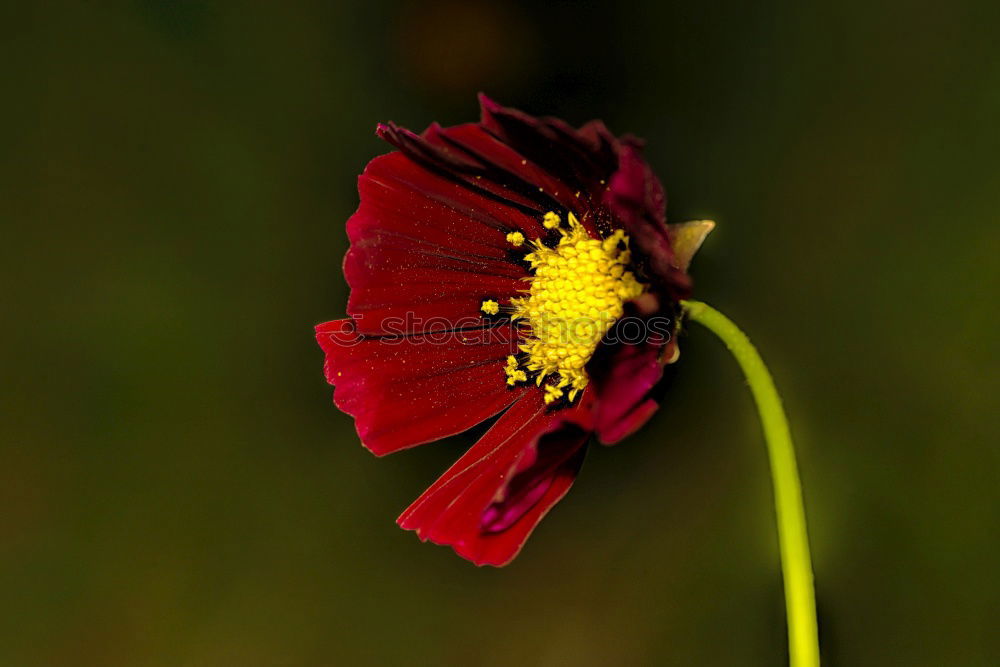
x: 491, y: 266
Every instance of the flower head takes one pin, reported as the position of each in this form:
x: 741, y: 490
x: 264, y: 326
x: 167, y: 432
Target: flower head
x: 492, y: 268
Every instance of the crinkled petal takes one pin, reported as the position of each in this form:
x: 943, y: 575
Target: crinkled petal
x: 622, y: 382
x: 487, y: 504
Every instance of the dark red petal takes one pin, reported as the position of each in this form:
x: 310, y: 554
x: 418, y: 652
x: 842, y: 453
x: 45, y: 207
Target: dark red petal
x: 411, y: 187
x: 426, y: 247
x: 623, y: 378
x: 486, y: 505
x: 463, y: 169
x: 636, y: 200
x: 503, y: 164
x: 409, y: 391
x: 584, y: 159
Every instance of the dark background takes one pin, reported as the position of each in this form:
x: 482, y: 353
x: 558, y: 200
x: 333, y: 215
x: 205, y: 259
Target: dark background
x: 177, y: 489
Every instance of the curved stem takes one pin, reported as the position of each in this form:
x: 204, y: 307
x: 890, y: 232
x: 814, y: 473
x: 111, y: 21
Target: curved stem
x: 800, y: 600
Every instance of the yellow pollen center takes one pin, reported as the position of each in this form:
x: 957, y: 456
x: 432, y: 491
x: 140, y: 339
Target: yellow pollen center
x: 577, y: 292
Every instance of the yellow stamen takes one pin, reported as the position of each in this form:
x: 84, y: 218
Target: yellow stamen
x: 490, y: 307
x: 515, y: 239
x: 513, y: 374
x: 516, y: 376
x: 578, y: 291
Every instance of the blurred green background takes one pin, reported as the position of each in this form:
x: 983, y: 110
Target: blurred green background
x: 177, y: 488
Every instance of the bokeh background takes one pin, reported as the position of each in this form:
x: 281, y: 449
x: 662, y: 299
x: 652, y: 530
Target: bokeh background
x: 177, y: 488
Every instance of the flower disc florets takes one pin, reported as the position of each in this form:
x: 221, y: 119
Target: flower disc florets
x: 577, y: 293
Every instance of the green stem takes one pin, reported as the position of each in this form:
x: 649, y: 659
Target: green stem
x: 800, y: 601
